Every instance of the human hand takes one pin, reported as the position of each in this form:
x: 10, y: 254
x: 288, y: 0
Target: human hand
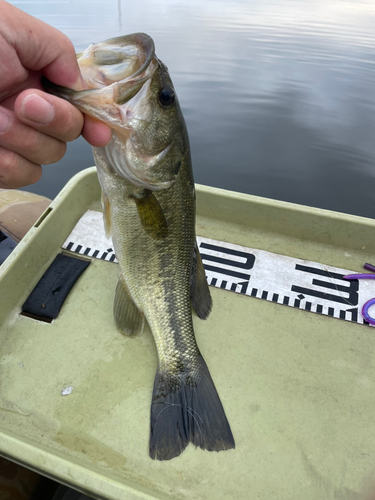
x: 35, y: 126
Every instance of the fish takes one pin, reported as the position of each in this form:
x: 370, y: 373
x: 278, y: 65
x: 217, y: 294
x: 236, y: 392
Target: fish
x: 148, y: 200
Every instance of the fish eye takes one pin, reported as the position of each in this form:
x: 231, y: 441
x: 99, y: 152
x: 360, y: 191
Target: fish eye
x: 166, y: 96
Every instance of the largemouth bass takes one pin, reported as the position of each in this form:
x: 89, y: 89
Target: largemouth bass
x: 148, y: 203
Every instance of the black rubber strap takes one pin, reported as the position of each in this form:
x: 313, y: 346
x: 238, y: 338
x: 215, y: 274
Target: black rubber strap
x: 7, y: 245
x: 49, y: 294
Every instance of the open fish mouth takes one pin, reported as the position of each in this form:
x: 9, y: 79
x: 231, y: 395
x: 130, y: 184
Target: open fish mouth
x: 114, y: 71
x: 116, y: 59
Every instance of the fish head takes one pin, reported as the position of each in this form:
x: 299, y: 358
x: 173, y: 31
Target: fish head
x: 157, y: 137
x: 130, y: 89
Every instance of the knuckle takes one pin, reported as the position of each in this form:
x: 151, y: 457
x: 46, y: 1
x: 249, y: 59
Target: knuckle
x: 68, y: 45
x: 52, y: 151
x: 42, y: 149
x: 35, y: 175
x: 65, y: 44
x: 56, y: 153
x: 31, y: 142
x: 9, y: 162
x: 16, y: 171
x: 70, y: 124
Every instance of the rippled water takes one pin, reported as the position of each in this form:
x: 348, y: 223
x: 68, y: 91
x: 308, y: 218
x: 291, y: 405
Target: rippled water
x: 278, y: 95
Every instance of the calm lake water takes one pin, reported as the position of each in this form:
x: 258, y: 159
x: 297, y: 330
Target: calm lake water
x: 278, y: 95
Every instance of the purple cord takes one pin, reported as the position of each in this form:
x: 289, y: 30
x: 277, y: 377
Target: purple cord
x: 370, y: 267
x: 365, y: 313
x: 371, y: 302
x: 365, y: 276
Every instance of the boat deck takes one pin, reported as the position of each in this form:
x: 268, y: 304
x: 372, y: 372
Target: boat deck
x: 297, y: 387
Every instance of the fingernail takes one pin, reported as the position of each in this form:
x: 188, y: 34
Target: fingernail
x: 37, y: 109
x: 4, y: 122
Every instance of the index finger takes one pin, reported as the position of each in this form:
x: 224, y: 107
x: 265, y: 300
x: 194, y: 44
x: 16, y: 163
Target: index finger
x: 96, y: 133
x: 38, y: 47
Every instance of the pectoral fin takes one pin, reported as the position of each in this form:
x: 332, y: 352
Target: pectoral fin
x: 151, y: 215
x: 128, y: 318
x: 106, y: 215
x: 199, y: 291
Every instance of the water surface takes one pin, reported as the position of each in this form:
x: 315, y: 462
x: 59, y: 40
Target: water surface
x: 278, y: 96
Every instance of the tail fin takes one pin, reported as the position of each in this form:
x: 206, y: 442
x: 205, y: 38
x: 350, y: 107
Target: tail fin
x: 187, y: 408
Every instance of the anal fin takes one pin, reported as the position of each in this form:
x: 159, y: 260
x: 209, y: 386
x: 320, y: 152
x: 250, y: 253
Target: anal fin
x: 199, y: 291
x: 128, y: 318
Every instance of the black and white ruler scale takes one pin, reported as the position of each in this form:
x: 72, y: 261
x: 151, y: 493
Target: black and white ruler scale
x: 301, y: 284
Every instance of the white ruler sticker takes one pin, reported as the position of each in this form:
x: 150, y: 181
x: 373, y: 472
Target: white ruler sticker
x: 88, y: 238
x: 301, y: 284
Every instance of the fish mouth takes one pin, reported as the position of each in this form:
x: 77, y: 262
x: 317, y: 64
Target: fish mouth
x: 114, y: 71
x: 118, y: 73
x: 116, y: 59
